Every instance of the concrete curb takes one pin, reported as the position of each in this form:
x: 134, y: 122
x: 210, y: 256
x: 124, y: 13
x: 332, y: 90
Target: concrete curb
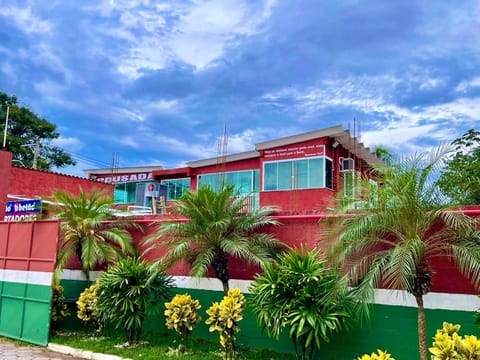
x: 84, y: 354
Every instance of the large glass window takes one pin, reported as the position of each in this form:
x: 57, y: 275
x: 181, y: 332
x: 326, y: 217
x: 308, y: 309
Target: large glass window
x: 176, y: 187
x: 308, y: 173
x: 245, y: 182
x: 125, y: 193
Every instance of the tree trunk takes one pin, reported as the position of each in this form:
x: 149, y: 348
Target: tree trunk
x: 220, y: 266
x: 225, y: 287
x: 422, y: 329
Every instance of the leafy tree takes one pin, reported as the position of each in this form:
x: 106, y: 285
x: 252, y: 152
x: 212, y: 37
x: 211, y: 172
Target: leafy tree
x: 391, y: 233
x: 25, y: 130
x: 460, y: 179
x: 217, y: 226
x: 299, y: 293
x: 86, y: 232
x: 130, y: 290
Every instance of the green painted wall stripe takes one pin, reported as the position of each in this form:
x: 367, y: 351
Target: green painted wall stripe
x: 25, y: 311
x: 391, y: 328
x: 29, y: 277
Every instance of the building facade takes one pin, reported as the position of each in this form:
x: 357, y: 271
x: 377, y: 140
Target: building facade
x: 296, y: 174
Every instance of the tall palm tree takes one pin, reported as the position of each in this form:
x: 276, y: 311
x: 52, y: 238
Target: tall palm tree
x: 389, y: 235
x: 85, y: 231
x: 218, y: 225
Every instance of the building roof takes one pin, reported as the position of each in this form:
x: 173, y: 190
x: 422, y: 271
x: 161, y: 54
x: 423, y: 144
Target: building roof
x: 123, y: 170
x: 337, y: 133
x: 334, y: 130
x: 228, y: 158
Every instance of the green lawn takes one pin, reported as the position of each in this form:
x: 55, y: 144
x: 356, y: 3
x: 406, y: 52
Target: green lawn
x: 157, y: 345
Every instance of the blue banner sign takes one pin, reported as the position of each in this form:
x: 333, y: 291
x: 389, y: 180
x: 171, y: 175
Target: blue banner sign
x: 25, y: 210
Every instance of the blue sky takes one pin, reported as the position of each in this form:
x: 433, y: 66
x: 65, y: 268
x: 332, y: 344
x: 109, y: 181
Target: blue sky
x: 157, y: 82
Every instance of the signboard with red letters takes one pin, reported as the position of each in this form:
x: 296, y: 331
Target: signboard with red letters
x: 123, y: 178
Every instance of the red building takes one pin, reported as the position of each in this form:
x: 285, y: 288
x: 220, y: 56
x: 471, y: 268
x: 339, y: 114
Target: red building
x: 298, y: 174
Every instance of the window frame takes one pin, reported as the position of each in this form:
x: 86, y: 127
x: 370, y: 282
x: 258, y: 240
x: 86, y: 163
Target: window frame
x: 324, y: 159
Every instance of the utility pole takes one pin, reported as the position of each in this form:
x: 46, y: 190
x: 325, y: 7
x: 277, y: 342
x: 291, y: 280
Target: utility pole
x: 5, y: 132
x: 36, y: 152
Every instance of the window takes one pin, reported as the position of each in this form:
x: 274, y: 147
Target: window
x: 245, y: 182
x: 329, y: 174
x: 125, y: 193
x: 176, y: 187
x: 311, y: 173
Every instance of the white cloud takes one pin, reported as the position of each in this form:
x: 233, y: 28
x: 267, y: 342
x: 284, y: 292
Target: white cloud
x: 466, y: 85
x: 391, y: 124
x: 195, y: 33
x: 26, y: 20
x: 68, y: 143
x: 162, y: 106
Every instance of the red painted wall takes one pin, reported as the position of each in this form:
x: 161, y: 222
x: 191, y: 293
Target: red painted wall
x: 298, y: 230
x: 298, y: 201
x: 5, y: 171
x: 32, y: 183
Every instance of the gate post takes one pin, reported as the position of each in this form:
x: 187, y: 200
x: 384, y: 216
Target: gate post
x: 5, y: 172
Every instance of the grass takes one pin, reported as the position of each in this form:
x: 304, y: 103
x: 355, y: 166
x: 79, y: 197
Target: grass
x: 157, y: 345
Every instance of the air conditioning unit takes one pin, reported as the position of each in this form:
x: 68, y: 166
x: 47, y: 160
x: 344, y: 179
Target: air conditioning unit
x: 346, y: 164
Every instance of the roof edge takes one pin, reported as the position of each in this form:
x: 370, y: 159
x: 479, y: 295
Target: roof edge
x: 333, y: 130
x: 229, y: 158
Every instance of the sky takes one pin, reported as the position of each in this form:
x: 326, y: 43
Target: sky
x: 136, y: 83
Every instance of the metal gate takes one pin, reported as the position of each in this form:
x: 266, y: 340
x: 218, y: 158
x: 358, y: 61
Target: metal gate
x: 27, y: 261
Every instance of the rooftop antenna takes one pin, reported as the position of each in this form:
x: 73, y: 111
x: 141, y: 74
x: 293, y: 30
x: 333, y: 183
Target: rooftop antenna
x: 5, y: 132
x: 115, y: 162
x: 222, y: 143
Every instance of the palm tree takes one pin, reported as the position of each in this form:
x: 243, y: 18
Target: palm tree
x: 394, y: 231
x: 218, y: 225
x: 85, y: 231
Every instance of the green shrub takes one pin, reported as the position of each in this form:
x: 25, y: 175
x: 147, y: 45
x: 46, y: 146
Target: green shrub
x: 224, y: 318
x: 59, y: 308
x: 87, y: 308
x: 130, y: 290
x: 298, y: 292
x: 181, y: 314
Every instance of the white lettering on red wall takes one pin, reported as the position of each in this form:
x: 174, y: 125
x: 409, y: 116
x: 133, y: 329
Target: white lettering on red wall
x: 292, y: 152
x: 122, y: 178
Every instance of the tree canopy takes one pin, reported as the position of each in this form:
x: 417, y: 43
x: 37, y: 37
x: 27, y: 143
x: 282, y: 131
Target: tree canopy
x: 460, y: 179
x: 218, y: 227
x: 25, y: 131
x: 391, y: 233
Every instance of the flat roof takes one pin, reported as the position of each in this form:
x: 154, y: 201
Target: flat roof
x: 222, y: 159
x: 300, y: 137
x: 123, y: 170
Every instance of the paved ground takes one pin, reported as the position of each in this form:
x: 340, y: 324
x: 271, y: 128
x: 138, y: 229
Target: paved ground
x: 13, y: 351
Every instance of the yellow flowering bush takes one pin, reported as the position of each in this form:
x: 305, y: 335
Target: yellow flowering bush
x: 87, y: 308
x: 382, y: 355
x: 448, y: 345
x: 59, y: 308
x: 224, y: 318
x: 182, y: 314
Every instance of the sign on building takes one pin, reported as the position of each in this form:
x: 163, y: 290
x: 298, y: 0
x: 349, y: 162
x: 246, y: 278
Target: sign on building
x: 24, y: 210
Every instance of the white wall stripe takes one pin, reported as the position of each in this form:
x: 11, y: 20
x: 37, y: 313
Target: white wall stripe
x: 443, y: 301
x: 78, y: 275
x: 26, y: 277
